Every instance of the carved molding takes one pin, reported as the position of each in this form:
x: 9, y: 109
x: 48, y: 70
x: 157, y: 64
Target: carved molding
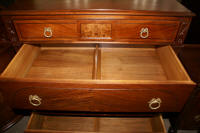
x: 3, y: 37
x: 10, y: 32
x: 184, y: 26
x: 9, y: 29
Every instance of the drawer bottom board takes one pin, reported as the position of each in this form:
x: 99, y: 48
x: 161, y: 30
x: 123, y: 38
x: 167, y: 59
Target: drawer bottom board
x: 71, y: 124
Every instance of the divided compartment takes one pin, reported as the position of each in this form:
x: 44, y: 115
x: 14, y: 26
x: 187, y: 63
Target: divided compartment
x: 97, y: 62
x: 100, y: 78
x: 52, y: 62
x: 40, y: 123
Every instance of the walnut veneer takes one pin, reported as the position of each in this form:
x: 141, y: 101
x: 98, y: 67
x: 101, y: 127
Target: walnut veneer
x: 96, y: 56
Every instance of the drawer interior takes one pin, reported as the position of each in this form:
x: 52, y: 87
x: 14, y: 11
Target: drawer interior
x: 74, y: 63
x: 97, y: 63
x: 51, y: 123
x: 131, y: 64
x: 141, y: 64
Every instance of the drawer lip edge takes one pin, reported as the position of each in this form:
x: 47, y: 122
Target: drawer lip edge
x: 5, y: 79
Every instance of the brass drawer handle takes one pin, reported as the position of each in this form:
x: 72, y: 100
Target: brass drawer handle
x: 155, y: 103
x: 144, y: 33
x: 35, y: 100
x: 48, y: 32
x: 197, y: 118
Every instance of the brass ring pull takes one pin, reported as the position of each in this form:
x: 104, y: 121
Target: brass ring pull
x: 35, y: 100
x: 144, y: 33
x: 48, y: 32
x: 155, y: 103
x: 197, y: 118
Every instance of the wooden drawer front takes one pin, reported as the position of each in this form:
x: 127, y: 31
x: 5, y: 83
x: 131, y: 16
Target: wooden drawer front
x: 40, y: 123
x: 94, y: 30
x: 151, y: 31
x: 112, y: 80
x: 137, y: 100
x: 52, y: 99
x: 132, y: 100
x: 39, y: 30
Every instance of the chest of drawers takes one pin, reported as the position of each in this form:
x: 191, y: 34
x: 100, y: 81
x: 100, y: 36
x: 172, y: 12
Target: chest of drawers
x: 96, y: 56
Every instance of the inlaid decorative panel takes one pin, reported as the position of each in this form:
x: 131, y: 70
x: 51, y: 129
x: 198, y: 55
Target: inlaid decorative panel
x: 96, y: 31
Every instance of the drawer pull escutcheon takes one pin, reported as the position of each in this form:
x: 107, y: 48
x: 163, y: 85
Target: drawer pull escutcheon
x: 35, y: 100
x: 144, y: 33
x: 48, y: 32
x: 154, y: 103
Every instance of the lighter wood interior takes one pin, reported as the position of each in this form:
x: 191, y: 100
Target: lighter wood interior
x: 67, y: 63
x: 97, y: 62
x: 22, y: 62
x: 131, y: 64
x: 96, y: 124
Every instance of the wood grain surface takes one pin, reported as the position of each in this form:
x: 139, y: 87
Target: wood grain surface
x: 71, y: 63
x: 22, y: 61
x: 131, y: 64
x: 188, y: 119
x: 96, y: 31
x: 45, y: 123
x: 123, y: 29
x: 99, y: 79
x: 35, y: 29
x: 157, y: 30
x: 152, y: 7
x: 96, y: 78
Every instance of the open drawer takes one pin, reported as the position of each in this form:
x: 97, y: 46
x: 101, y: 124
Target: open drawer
x: 96, y: 78
x: 40, y: 123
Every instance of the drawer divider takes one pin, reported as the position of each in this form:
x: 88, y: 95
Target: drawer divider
x: 96, y: 74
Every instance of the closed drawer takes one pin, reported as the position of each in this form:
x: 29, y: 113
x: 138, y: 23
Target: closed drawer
x: 101, y: 79
x: 44, y: 30
x: 147, y: 30
x: 112, y: 31
x: 39, y: 123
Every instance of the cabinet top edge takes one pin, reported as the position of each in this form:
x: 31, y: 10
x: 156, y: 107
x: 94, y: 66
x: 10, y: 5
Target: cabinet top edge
x: 113, y: 7
x: 94, y: 12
